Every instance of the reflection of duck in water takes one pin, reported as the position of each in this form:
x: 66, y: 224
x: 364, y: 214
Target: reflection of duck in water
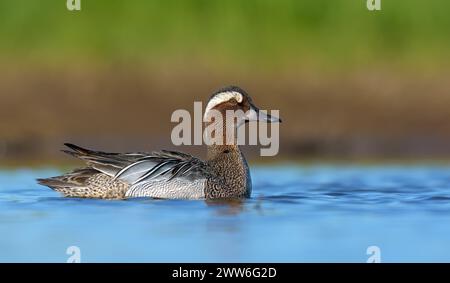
x: 227, y: 206
x: 168, y: 174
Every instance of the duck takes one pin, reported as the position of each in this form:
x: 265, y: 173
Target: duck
x: 168, y: 174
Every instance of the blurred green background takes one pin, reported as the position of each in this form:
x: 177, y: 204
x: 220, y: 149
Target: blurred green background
x: 349, y: 83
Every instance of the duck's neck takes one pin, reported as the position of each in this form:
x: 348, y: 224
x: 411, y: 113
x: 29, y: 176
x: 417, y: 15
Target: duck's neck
x: 229, y: 163
x: 226, y: 159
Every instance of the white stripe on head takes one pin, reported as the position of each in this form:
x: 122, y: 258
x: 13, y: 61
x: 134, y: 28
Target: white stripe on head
x: 221, y: 98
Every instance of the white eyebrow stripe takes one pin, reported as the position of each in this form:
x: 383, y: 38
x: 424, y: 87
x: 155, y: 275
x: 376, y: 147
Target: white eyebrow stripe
x: 221, y: 98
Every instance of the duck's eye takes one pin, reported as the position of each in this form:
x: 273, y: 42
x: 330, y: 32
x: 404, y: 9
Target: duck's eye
x: 235, y: 102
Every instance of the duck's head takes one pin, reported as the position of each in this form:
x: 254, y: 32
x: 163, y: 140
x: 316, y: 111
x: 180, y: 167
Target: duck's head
x: 237, y: 100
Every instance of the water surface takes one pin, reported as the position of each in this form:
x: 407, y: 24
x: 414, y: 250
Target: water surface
x: 319, y: 213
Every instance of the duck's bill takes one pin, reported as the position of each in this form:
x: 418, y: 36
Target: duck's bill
x: 254, y: 114
x: 264, y: 117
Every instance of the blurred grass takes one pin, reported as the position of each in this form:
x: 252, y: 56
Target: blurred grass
x: 265, y: 33
x: 349, y: 82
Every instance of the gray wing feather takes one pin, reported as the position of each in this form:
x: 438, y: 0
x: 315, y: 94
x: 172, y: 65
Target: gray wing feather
x: 152, y: 172
x: 107, y: 163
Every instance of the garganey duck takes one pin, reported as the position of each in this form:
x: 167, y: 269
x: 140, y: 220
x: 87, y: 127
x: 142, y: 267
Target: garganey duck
x: 168, y: 174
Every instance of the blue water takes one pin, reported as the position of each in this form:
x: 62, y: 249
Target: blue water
x: 320, y: 213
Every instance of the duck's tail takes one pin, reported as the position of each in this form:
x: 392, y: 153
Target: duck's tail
x: 96, y: 179
x: 73, y: 184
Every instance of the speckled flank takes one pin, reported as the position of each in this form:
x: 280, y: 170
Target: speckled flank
x: 175, y: 189
x: 97, y: 186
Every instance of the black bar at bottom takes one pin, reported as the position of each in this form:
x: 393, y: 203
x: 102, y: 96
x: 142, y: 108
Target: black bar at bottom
x: 221, y: 271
